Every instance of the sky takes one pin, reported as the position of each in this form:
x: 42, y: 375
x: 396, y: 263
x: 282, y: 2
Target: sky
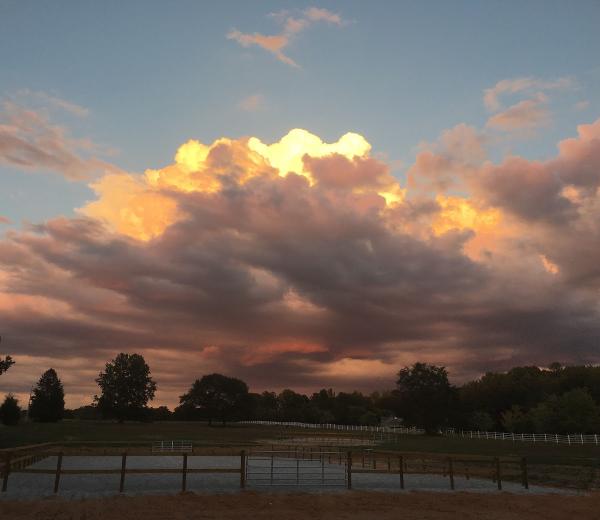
x: 300, y: 195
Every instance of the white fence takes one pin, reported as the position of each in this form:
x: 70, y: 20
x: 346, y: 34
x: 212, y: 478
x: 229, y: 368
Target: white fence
x: 554, y: 438
x: 172, y: 446
x: 340, y: 427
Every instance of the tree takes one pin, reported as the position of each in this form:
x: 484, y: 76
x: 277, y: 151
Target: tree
x: 517, y: 420
x: 573, y: 412
x: 5, y: 364
x: 48, y: 400
x: 481, y: 420
x: 126, y: 387
x: 10, y: 411
x: 216, y: 396
x: 425, y: 396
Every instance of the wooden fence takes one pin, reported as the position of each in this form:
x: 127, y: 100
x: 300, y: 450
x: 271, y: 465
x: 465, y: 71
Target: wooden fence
x: 8, y: 467
x: 351, y: 462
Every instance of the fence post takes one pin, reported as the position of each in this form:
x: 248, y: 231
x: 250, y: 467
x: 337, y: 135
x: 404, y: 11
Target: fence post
x: 524, y: 478
x: 243, y: 469
x: 401, y: 470
x: 6, y: 471
x: 184, y: 473
x: 271, y: 468
x: 123, y: 466
x: 451, y: 472
x: 349, y: 468
x: 58, y: 470
x: 498, y: 475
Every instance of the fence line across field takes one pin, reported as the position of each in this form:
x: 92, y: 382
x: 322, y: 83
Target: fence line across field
x: 554, y: 438
x: 340, y: 427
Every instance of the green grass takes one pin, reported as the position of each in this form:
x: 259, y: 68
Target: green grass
x: 541, y: 453
x: 132, y: 432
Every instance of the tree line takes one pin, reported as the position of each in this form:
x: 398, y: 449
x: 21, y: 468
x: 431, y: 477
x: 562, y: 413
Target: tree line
x: 557, y: 399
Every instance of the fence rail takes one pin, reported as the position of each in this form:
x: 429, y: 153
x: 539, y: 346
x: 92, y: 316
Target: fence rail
x: 172, y: 446
x: 553, y: 438
x: 340, y: 427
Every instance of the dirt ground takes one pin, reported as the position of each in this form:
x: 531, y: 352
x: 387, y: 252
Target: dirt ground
x: 354, y: 505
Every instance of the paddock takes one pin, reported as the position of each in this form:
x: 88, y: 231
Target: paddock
x: 323, y: 470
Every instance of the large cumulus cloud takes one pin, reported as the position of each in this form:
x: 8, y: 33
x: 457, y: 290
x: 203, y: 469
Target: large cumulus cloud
x: 306, y: 264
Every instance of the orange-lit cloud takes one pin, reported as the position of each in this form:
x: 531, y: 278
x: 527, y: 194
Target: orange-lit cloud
x: 142, y: 206
x: 525, y: 115
x: 283, y: 263
x: 293, y: 24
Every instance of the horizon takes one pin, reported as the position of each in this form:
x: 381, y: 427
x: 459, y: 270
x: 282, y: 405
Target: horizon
x: 294, y: 193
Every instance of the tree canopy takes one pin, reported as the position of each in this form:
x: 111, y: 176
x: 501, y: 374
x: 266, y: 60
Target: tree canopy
x: 216, y: 396
x: 48, y: 399
x: 126, y: 387
x: 424, y: 396
x: 10, y: 411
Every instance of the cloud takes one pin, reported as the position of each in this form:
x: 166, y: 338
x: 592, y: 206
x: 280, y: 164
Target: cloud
x: 252, y: 103
x: 26, y: 96
x: 524, y: 116
x: 289, y: 262
x: 527, y: 85
x: 581, y: 105
x: 443, y: 165
x: 5, y: 220
x: 30, y: 141
x: 292, y: 25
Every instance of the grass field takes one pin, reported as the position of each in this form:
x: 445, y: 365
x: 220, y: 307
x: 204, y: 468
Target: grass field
x: 204, y: 435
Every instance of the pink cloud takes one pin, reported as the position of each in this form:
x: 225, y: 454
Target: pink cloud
x: 526, y: 115
x: 30, y: 141
x: 292, y: 26
x: 492, y: 95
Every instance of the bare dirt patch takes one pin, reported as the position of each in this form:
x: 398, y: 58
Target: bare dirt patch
x: 271, y: 506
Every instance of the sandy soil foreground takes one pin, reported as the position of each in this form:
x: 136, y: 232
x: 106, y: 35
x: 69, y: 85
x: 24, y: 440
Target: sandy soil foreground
x: 354, y: 505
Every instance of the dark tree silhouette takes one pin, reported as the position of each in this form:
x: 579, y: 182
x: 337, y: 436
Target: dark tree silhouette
x: 48, y: 400
x: 10, y: 411
x: 126, y: 387
x: 424, y: 396
x: 216, y: 396
x: 5, y: 363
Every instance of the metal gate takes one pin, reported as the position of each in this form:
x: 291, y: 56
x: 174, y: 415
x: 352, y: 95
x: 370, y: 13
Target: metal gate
x: 285, y: 468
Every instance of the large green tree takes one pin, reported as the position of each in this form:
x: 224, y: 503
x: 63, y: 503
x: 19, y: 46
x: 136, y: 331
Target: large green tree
x: 126, y: 387
x: 48, y: 400
x: 216, y: 396
x: 424, y: 396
